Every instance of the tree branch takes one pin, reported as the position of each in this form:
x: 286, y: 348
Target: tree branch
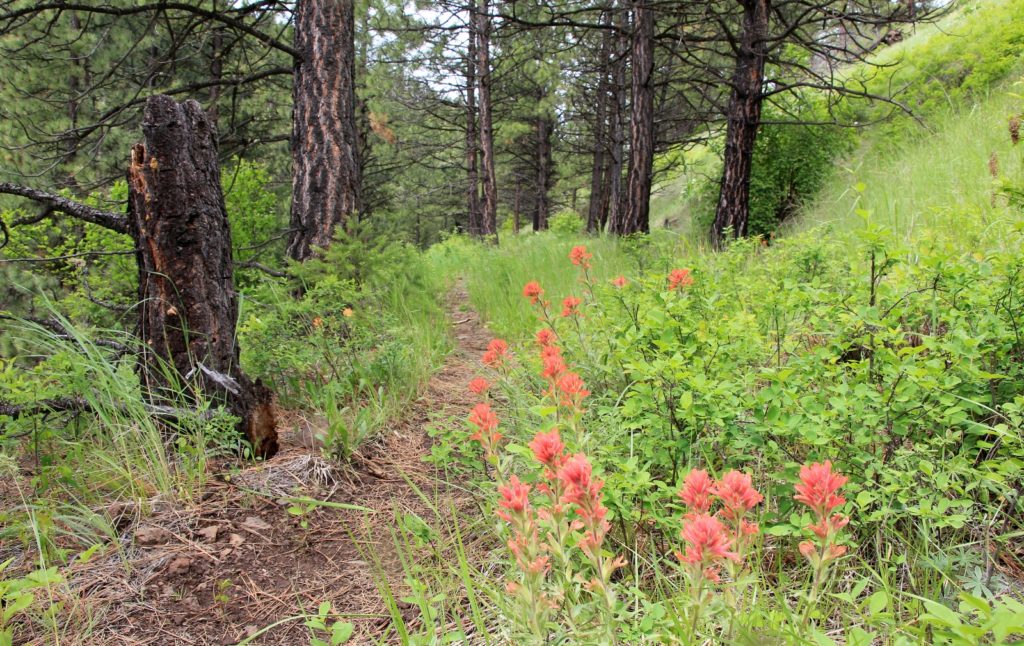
x: 108, y: 219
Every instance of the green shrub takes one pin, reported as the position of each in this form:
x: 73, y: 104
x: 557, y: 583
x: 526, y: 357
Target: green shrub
x: 791, y: 164
x: 900, y: 362
x: 566, y: 222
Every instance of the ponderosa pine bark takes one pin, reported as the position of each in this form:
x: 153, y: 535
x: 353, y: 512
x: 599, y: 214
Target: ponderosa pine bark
x: 324, y: 140
x: 598, y: 208
x: 489, y: 203
x: 616, y: 122
x: 474, y: 216
x: 544, y: 165
x: 743, y: 114
x: 188, y: 306
x: 636, y: 217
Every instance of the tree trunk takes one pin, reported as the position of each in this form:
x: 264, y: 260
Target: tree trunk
x: 474, y: 219
x: 188, y: 304
x: 325, y: 152
x: 598, y: 199
x: 616, y: 199
x: 516, y: 206
x: 216, y: 74
x: 489, y: 204
x: 543, y: 129
x: 744, y: 117
x: 636, y: 218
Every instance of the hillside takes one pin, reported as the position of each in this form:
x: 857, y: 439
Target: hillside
x: 437, y: 366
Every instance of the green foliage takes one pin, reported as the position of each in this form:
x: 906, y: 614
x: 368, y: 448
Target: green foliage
x: 900, y: 361
x: 791, y: 164
x: 954, y: 66
x: 566, y: 222
x: 18, y: 594
x: 356, y: 343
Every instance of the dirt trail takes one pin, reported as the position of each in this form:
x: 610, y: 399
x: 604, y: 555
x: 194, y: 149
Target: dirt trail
x: 239, y: 561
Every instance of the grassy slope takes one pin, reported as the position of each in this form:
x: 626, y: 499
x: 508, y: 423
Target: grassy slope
x: 926, y: 174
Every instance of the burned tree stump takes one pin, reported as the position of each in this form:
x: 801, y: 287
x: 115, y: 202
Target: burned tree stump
x: 189, y: 306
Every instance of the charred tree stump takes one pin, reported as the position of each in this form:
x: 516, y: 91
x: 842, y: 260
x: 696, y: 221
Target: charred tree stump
x: 189, y: 306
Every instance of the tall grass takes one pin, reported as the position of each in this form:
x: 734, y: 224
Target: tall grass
x: 937, y: 180
x: 494, y: 276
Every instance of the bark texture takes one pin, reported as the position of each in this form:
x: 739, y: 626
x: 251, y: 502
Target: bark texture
x: 636, y: 216
x: 543, y: 127
x: 598, y: 207
x: 325, y: 141
x: 489, y: 201
x: 743, y: 115
x: 189, y: 306
x: 474, y: 218
x: 616, y: 121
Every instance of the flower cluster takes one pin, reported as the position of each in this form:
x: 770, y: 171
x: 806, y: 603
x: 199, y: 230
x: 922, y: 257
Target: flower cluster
x: 479, y: 386
x: 570, y: 305
x: 497, y: 351
x: 533, y: 291
x: 486, y: 423
x: 580, y: 257
x: 711, y: 539
x: 818, y: 489
x: 679, y: 278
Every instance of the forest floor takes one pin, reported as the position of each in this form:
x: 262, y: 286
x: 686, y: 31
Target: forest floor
x: 225, y: 568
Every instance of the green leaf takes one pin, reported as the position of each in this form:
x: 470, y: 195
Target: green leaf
x: 878, y: 602
x: 341, y: 632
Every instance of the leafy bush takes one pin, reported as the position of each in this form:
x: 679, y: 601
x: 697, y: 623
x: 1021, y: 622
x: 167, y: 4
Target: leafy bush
x: 566, y: 222
x: 358, y: 340
x: 791, y: 164
x: 898, y: 361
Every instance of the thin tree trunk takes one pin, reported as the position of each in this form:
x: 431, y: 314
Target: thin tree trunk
x: 516, y: 206
x: 616, y: 199
x: 543, y: 128
x: 489, y: 204
x: 744, y: 117
x: 474, y: 219
x: 636, y: 218
x: 188, y: 304
x: 325, y: 151
x: 598, y: 202
x: 216, y: 73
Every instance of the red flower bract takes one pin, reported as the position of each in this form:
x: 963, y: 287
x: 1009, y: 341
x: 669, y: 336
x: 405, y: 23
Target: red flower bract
x: 569, y: 305
x: 575, y: 472
x: 533, y: 291
x: 573, y: 389
x: 545, y: 337
x: 818, y: 486
x: 495, y: 354
x: 553, y: 367
x: 736, y: 493
x: 619, y: 281
x: 547, y: 447
x: 484, y: 419
x: 579, y: 256
x: 479, y: 386
x: 708, y: 541
x: 514, y: 497
x: 696, y: 491
x: 679, y: 278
